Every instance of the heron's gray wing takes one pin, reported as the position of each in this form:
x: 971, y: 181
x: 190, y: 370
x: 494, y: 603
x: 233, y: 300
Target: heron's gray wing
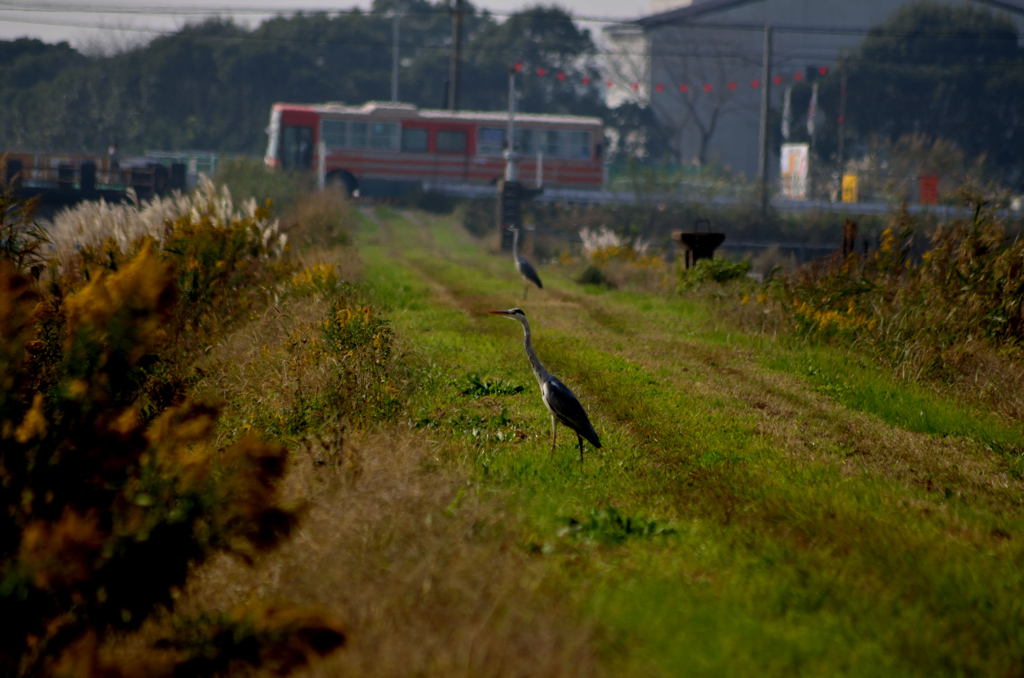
x: 568, y: 410
x: 528, y: 272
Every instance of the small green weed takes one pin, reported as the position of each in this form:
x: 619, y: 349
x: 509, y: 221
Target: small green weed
x: 716, y: 270
x: 592, y: 275
x: 482, y: 386
x: 609, y: 526
x: 477, y: 426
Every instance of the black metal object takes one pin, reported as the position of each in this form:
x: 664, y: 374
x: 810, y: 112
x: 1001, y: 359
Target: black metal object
x: 68, y: 183
x: 178, y: 179
x: 698, y: 245
x: 12, y: 172
x: 87, y: 178
x: 510, y: 211
x: 66, y: 177
x: 511, y: 196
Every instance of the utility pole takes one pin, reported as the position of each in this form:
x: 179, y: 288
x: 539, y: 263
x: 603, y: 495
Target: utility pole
x: 394, y: 55
x: 454, y: 66
x: 511, y: 159
x: 841, y: 122
x: 766, y: 89
x: 510, y: 191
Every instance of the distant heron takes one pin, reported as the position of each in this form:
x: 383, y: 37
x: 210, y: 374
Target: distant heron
x: 560, y: 401
x: 524, y: 267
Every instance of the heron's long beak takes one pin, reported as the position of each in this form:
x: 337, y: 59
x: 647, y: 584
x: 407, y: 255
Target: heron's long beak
x: 499, y: 313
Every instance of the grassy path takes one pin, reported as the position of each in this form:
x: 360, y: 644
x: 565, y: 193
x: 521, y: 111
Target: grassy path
x: 756, y: 508
x: 742, y: 516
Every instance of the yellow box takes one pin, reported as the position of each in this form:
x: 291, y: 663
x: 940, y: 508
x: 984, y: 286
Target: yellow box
x: 849, y: 188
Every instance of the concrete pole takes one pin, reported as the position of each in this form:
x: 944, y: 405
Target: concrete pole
x: 394, y: 57
x: 321, y: 164
x: 454, y: 67
x: 762, y: 149
x: 511, y: 167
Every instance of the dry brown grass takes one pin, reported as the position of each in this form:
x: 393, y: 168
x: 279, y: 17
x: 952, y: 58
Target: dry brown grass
x: 320, y: 218
x: 426, y: 571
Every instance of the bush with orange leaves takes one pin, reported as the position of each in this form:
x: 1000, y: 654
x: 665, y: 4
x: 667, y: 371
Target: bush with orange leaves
x: 111, y: 488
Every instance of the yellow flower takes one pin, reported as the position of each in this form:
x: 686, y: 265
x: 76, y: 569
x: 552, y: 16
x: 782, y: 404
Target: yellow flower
x: 142, y: 284
x: 34, y: 423
x: 126, y: 421
x: 77, y: 388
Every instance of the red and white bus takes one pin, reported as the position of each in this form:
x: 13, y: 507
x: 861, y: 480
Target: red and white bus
x: 381, y: 147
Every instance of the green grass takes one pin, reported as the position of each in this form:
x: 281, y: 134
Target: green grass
x: 756, y: 509
x: 861, y: 386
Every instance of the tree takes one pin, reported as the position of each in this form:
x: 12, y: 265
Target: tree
x: 211, y: 85
x: 538, y: 38
x: 950, y: 73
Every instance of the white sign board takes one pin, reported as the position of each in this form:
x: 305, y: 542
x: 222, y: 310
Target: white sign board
x: 795, y: 159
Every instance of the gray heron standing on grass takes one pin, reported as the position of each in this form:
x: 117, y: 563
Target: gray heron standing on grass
x: 560, y: 401
x: 524, y: 267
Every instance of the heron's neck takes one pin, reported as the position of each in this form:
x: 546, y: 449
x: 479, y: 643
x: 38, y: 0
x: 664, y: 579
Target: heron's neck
x: 538, y: 369
x: 515, y: 248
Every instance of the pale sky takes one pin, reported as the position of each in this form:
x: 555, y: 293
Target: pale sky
x: 113, y: 24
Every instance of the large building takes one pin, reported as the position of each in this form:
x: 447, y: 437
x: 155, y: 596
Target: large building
x: 705, y: 65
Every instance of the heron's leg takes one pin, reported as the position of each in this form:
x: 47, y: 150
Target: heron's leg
x: 554, y: 431
x: 526, y: 288
x: 579, y: 439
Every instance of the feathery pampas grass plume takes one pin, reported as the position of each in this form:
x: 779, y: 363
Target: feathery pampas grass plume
x: 91, y: 224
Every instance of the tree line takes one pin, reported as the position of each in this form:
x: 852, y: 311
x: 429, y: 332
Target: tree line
x: 210, y: 85
x: 933, y: 72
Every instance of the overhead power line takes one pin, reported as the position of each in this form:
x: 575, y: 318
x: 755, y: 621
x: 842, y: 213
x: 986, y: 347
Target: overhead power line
x: 813, y: 54
x: 164, y: 9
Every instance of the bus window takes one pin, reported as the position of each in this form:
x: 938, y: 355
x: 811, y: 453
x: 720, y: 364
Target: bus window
x: 357, y: 135
x: 296, y: 147
x: 333, y: 132
x: 384, y: 136
x: 490, y: 141
x: 451, y: 141
x: 576, y: 144
x: 414, y: 140
x: 525, y: 140
x: 551, y: 146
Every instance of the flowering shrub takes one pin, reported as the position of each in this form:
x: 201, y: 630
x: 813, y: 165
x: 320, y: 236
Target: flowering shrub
x: 718, y: 270
x: 22, y: 241
x: 602, y: 244
x: 348, y: 330
x: 357, y: 344
x: 111, y: 484
x: 617, y: 260
x: 319, y: 278
x: 938, y: 314
x: 96, y: 226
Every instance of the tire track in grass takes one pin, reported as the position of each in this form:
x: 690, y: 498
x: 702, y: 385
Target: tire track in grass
x: 799, y: 421
x: 824, y: 427
x: 740, y: 480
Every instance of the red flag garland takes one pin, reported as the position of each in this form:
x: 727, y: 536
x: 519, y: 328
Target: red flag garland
x: 661, y: 87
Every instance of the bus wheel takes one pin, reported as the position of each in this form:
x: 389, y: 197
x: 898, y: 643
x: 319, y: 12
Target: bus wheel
x: 345, y: 181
